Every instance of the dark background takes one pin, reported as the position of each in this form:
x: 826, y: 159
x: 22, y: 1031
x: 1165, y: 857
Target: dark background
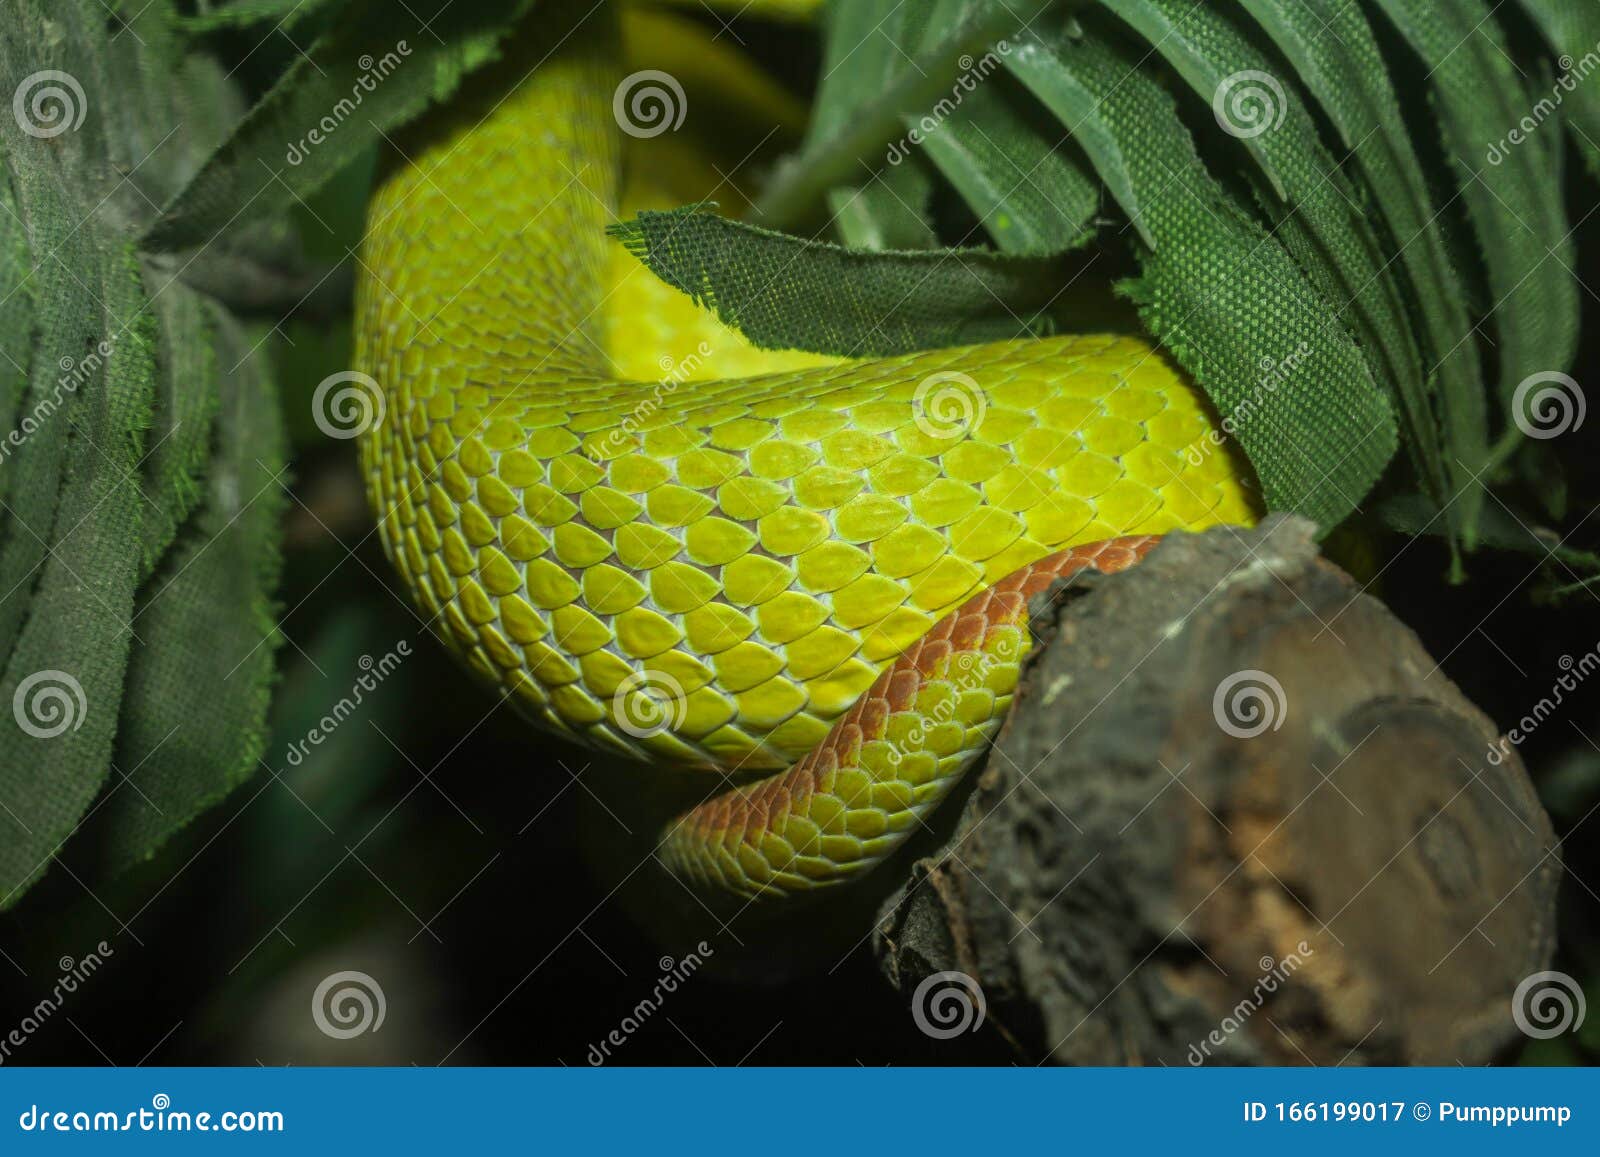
x: 433, y: 841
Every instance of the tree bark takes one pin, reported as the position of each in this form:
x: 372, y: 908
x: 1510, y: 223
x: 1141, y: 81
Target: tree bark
x: 1238, y: 816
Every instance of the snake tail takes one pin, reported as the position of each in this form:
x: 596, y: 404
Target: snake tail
x: 852, y: 801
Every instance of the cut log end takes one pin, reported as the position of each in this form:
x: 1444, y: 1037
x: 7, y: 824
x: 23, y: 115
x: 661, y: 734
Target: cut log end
x: 1238, y: 816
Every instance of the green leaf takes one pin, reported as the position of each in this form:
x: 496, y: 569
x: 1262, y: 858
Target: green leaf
x: 994, y: 145
x: 860, y: 132
x: 76, y: 500
x: 1573, y: 29
x: 284, y: 14
x: 889, y: 212
x: 786, y: 292
x: 1230, y: 302
x: 16, y: 330
x: 185, y: 402
x: 113, y: 424
x: 1514, y: 202
x: 377, y: 68
x: 1415, y: 515
x: 1315, y: 209
x: 1080, y: 113
x: 1204, y: 47
x: 1001, y: 153
x: 1332, y: 48
x: 194, y: 715
x: 865, y: 48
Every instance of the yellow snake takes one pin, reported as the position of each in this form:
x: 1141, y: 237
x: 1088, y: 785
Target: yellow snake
x: 680, y: 548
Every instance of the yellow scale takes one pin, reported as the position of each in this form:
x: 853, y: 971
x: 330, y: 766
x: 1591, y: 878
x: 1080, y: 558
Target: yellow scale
x: 741, y: 549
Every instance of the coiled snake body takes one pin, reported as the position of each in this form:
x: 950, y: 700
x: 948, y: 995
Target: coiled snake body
x: 684, y: 549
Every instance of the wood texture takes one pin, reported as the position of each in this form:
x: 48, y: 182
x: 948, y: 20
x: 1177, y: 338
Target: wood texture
x: 1132, y: 883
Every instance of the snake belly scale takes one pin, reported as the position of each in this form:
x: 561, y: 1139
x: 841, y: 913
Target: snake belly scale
x: 686, y: 550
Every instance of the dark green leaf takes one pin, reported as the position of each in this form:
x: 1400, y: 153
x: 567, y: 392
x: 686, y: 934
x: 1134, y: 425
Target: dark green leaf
x: 1029, y: 186
x: 1331, y: 46
x: 194, y: 716
x: 889, y: 212
x: 113, y: 428
x: 784, y: 292
x: 1513, y: 196
x: 284, y: 14
x: 1573, y: 29
x: 375, y: 69
x: 1223, y: 296
x: 1314, y: 207
x: 858, y: 132
x: 1036, y: 64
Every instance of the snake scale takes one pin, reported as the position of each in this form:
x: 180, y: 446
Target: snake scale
x: 686, y: 550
